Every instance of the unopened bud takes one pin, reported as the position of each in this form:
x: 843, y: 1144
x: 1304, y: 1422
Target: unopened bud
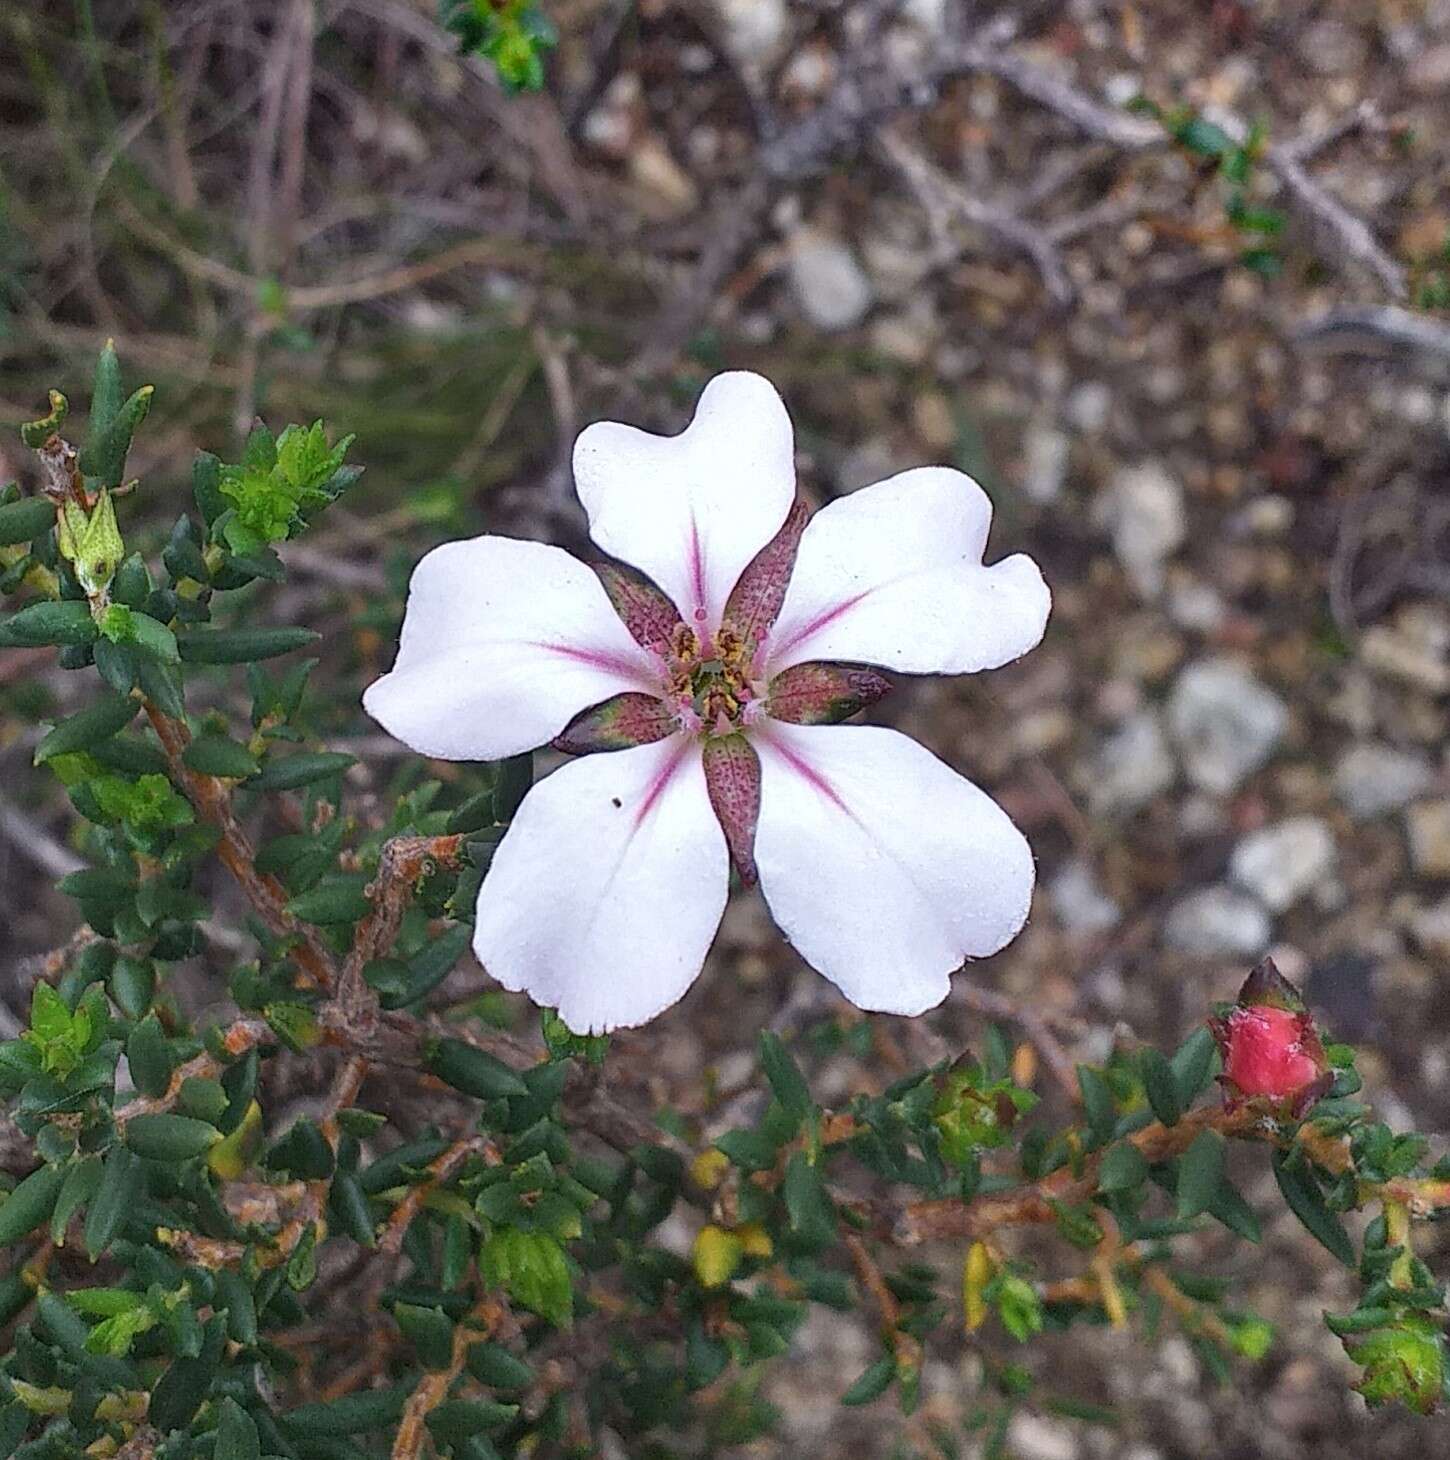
x: 1270, y: 1047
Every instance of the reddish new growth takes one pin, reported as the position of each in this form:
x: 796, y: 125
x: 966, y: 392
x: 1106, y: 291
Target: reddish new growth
x: 1270, y: 1047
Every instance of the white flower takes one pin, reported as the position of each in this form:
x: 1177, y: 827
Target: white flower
x: 710, y: 659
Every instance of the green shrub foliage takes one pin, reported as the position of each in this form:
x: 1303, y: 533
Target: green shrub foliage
x: 455, y: 1243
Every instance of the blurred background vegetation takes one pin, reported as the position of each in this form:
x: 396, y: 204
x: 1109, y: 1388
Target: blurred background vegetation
x: 1171, y: 279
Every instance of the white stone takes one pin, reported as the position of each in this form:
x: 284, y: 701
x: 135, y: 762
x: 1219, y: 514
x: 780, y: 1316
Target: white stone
x: 754, y: 31
x: 1089, y: 406
x: 1045, y: 452
x: 1080, y: 903
x: 1224, y: 722
x: 1143, y: 511
x: 1035, y: 1437
x: 1372, y: 778
x: 1282, y: 862
x: 1132, y: 766
x: 1218, y: 922
x: 830, y: 285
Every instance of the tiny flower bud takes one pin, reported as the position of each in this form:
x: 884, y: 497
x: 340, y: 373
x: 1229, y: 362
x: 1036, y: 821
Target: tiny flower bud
x: 1270, y: 1047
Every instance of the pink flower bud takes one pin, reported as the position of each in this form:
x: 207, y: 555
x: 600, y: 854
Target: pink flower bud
x: 1270, y: 1047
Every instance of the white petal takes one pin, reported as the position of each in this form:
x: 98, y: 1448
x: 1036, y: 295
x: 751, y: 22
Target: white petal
x: 884, y: 868
x: 692, y: 510
x: 503, y: 643
x: 605, y: 894
x: 893, y: 575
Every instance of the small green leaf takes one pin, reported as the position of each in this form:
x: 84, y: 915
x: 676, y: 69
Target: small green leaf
x: 786, y: 1081
x: 236, y: 1435
x: 294, y: 771
x: 1123, y: 1168
x: 219, y: 755
x: 121, y: 1182
x: 872, y: 1383
x: 65, y: 622
x: 1301, y: 1192
x: 1193, y: 1064
x: 1200, y: 1173
x: 30, y: 1204
x: 81, y: 1183
x: 104, y: 457
x: 1161, y: 1086
x: 167, y: 1137
x: 241, y: 646
x: 97, y: 722
x: 473, y: 1071
x: 340, y: 898
x: 1097, y: 1103
x: 26, y: 520
x: 429, y: 1330
x: 532, y: 1268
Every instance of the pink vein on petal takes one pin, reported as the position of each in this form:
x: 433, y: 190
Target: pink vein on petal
x: 808, y: 773
x: 663, y: 777
x: 815, y: 625
x: 598, y: 658
x: 697, y: 565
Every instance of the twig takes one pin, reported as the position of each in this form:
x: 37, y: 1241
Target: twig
x: 945, y: 201
x: 432, y: 1388
x: 439, y: 1171
x: 906, y: 1349
x: 212, y: 800
x: 243, y: 1034
x: 1376, y: 328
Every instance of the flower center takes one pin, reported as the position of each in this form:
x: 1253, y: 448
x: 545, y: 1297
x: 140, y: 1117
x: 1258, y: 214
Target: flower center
x: 713, y: 689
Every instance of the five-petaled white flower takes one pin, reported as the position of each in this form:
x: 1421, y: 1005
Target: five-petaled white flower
x: 712, y: 656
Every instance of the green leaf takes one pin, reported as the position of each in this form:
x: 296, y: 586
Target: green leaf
x: 1301, y: 1192
x: 81, y: 1183
x: 473, y: 1071
x: 812, y: 1216
x: 167, y: 1137
x: 350, y: 1207
x: 236, y: 1433
x: 148, y: 1053
x: 1193, y: 1065
x: 353, y: 1414
x: 66, y: 622
x: 97, y: 722
x: 25, y: 520
x: 30, y: 1204
x: 106, y: 395
x: 121, y: 1183
x: 105, y: 457
x: 1123, y: 1168
x: 1097, y: 1103
x: 495, y: 1366
x: 1161, y: 1086
x: 456, y: 1420
x: 294, y: 771
x: 182, y: 1388
x: 219, y: 755
x: 303, y: 1153
x: 1200, y: 1173
x: 431, y: 965
x: 341, y: 898
x: 786, y: 1081
x: 872, y: 1383
x: 532, y: 1268
x: 429, y: 1330
x: 241, y: 646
